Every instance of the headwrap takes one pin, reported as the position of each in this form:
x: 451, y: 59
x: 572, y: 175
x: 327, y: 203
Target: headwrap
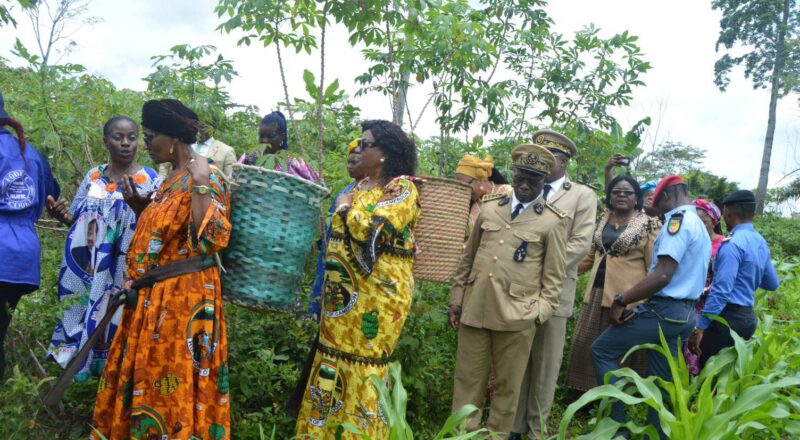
x: 649, y: 186
x: 277, y: 117
x: 352, y: 146
x: 709, y: 208
x: 172, y: 118
x: 476, y: 168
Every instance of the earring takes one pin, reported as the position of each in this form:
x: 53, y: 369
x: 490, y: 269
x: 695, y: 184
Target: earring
x: 383, y: 160
x: 481, y: 187
x: 171, y: 149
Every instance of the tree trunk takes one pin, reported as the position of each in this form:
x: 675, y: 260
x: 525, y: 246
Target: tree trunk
x: 320, y: 121
x: 400, y: 99
x: 780, y: 55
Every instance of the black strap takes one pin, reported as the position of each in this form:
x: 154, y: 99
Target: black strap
x: 174, y: 269
x: 547, y: 189
x: 517, y: 210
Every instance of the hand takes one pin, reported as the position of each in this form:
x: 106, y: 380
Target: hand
x: 58, y: 210
x: 136, y: 201
x: 694, y: 342
x: 344, y: 199
x: 616, y: 160
x: 616, y: 314
x: 199, y: 170
x: 454, y: 316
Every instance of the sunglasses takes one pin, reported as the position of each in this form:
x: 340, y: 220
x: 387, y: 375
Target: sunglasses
x: 362, y: 144
x: 623, y: 193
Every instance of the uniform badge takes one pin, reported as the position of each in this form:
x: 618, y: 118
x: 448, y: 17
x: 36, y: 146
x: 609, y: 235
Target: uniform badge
x: 521, y: 252
x: 538, y: 208
x: 504, y: 201
x: 567, y: 185
x: 675, y: 223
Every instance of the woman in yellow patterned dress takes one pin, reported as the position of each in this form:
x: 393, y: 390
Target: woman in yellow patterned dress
x: 368, y: 287
x: 166, y: 375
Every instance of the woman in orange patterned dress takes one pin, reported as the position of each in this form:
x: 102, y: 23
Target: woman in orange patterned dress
x: 167, y: 373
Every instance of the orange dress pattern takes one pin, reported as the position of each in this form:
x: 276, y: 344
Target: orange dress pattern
x: 167, y: 373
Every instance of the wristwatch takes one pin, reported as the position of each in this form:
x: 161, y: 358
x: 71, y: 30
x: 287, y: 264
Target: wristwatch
x: 201, y: 189
x: 618, y: 300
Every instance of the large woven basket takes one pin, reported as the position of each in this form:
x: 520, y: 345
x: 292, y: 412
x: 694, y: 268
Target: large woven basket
x: 275, y: 217
x: 441, y: 228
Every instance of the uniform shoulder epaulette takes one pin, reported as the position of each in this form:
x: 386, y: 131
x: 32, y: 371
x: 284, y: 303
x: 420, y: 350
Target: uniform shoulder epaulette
x: 495, y: 196
x: 559, y: 212
x: 592, y: 187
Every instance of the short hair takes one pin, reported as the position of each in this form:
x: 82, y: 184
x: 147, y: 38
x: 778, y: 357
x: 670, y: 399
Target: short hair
x: 679, y: 189
x: 113, y: 120
x: 399, y: 149
x: 743, y: 210
x: 633, y: 183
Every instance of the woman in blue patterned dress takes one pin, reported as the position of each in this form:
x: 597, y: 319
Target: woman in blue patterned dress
x: 93, y: 267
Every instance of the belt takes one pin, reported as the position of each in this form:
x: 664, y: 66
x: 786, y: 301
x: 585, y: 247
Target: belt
x: 691, y: 302
x: 738, y: 307
x: 649, y: 306
x: 351, y: 357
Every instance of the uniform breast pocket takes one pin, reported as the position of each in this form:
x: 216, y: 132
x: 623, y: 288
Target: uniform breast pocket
x: 529, y: 244
x: 521, y: 291
x: 489, y: 232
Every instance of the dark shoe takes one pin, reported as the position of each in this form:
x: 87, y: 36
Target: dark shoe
x: 514, y: 436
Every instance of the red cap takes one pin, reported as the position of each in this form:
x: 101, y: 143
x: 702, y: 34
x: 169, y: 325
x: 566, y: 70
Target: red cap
x: 665, y: 183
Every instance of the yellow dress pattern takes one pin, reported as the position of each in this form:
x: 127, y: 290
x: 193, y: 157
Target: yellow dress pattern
x: 365, y: 302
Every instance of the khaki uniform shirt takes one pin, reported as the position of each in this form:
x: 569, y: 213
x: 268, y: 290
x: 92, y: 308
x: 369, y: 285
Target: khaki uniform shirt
x: 580, y: 203
x: 498, y: 293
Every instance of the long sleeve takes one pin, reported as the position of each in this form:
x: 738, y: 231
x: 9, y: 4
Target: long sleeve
x: 395, y: 209
x: 228, y: 161
x: 726, y: 266
x: 580, y: 238
x: 553, y: 271
x: 770, y: 280
x: 586, y: 263
x: 465, y: 265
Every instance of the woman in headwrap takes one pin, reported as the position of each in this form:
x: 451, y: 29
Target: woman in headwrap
x: 101, y: 225
x: 25, y: 184
x: 273, y: 133
x: 710, y: 214
x: 484, y: 179
x: 647, y: 192
x: 367, y: 289
x: 167, y: 369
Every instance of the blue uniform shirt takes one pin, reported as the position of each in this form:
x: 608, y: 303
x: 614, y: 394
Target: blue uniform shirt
x: 690, y: 247
x: 742, y: 265
x: 23, y: 191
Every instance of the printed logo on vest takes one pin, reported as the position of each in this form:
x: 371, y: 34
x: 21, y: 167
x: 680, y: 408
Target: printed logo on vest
x: 17, y: 190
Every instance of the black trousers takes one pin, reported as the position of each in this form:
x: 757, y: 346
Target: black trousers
x: 9, y: 297
x: 716, y: 337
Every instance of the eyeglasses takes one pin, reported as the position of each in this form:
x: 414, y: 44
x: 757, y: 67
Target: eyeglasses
x: 363, y: 144
x: 623, y: 193
x: 148, y: 137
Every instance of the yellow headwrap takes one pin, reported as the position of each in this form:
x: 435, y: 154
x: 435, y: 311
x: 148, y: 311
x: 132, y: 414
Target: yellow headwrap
x: 479, y: 169
x: 352, y: 146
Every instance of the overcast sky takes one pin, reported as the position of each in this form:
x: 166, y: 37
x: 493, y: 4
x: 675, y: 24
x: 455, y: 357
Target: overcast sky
x: 677, y: 37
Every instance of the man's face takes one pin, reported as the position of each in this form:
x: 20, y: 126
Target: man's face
x: 727, y: 215
x: 527, y: 185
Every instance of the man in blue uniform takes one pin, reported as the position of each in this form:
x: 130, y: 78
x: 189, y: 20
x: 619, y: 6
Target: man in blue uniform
x: 675, y: 281
x: 742, y: 266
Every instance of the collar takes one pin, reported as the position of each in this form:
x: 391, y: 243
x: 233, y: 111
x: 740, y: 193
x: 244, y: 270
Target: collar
x: 556, y: 185
x: 744, y: 227
x: 209, y: 141
x: 525, y: 206
x: 689, y: 207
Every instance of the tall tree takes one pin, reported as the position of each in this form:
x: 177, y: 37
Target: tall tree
x: 767, y: 30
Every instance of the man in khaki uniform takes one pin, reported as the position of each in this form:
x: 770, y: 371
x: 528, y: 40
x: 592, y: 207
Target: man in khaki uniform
x: 580, y: 202
x: 218, y: 153
x: 508, y: 282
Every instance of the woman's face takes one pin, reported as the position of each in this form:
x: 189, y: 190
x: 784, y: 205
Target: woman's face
x: 706, y: 221
x: 271, y: 135
x: 647, y: 198
x: 159, y: 146
x: 370, y: 157
x: 623, y: 197
x: 122, y: 142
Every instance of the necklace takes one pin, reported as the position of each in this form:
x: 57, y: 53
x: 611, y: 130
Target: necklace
x: 616, y: 223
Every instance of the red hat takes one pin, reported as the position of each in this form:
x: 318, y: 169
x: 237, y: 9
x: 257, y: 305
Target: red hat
x: 665, y: 183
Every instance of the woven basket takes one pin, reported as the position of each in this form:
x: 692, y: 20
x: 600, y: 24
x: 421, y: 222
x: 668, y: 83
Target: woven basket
x: 275, y: 217
x: 441, y: 228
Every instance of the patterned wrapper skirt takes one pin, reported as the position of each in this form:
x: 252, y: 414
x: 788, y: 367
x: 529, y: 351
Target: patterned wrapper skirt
x: 593, y: 321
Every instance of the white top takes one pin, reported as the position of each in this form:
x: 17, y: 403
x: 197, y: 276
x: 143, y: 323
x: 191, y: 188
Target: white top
x: 202, y: 148
x: 515, y: 202
x: 556, y: 186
